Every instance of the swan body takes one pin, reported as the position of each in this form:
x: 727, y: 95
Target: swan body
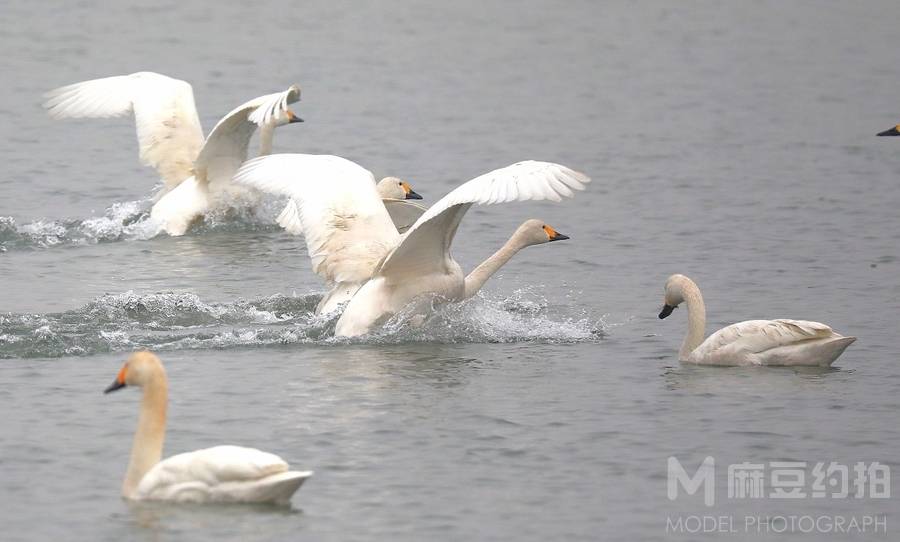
x: 340, y: 209
x: 353, y: 243
x: 779, y: 342
x: 171, y: 139
x: 232, y: 474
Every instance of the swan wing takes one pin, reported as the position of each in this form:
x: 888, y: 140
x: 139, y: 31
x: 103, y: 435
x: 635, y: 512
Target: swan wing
x: 335, y: 204
x: 168, y: 128
x: 404, y: 213
x: 425, y: 247
x: 226, y: 147
x: 221, y: 473
x: 755, y: 337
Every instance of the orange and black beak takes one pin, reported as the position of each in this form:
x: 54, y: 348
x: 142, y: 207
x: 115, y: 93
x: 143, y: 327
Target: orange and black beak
x: 666, y: 310
x: 892, y: 132
x: 555, y: 235
x: 410, y: 193
x: 292, y: 118
x: 118, y: 383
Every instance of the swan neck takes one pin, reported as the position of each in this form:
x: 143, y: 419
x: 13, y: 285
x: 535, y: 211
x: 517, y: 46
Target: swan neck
x: 696, y: 320
x: 146, y: 451
x: 476, y: 279
x: 266, y: 134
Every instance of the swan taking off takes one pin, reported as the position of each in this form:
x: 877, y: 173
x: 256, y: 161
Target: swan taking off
x: 221, y: 474
x: 196, y: 173
x: 354, y: 245
x: 754, y: 342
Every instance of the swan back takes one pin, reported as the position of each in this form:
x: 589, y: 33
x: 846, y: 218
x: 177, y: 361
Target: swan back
x: 220, y: 474
x: 168, y: 127
x: 772, y: 342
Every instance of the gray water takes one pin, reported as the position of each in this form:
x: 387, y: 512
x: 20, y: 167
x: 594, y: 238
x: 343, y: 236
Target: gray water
x: 733, y: 143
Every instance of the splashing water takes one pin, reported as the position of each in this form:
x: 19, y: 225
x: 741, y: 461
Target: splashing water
x: 176, y: 321
x: 126, y: 221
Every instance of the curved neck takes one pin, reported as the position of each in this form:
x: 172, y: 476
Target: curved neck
x: 266, y: 133
x: 146, y: 450
x: 696, y: 320
x: 476, y: 279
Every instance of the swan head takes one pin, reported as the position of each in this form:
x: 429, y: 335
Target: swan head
x: 139, y: 369
x: 394, y: 188
x: 537, y: 232
x: 895, y: 131
x: 674, y: 294
x: 285, y: 117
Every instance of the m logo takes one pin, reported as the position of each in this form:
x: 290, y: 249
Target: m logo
x: 705, y: 476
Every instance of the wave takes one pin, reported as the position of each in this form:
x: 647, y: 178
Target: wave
x: 179, y: 321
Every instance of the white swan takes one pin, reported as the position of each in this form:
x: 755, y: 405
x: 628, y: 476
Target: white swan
x: 219, y: 474
x: 754, y: 342
x: 395, y: 194
x: 196, y: 173
x: 354, y: 245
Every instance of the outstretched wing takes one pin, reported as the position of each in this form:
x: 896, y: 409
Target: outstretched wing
x: 757, y: 336
x: 425, y: 247
x: 404, y: 213
x: 168, y: 129
x: 226, y: 147
x: 335, y: 204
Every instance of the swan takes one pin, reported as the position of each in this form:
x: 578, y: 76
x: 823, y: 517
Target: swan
x: 354, y: 245
x: 754, y: 342
x: 395, y: 194
x: 219, y: 474
x: 196, y: 172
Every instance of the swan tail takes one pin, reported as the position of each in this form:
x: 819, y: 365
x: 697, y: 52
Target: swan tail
x: 178, y: 208
x: 833, y: 348
x: 814, y: 352
x: 275, y: 489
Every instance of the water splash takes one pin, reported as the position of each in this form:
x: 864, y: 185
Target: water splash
x: 178, y: 321
x: 126, y: 221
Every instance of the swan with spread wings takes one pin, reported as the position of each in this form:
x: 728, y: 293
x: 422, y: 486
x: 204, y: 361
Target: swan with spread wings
x: 355, y: 247
x: 196, y: 172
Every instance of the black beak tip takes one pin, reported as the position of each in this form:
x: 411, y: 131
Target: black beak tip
x: 413, y: 195
x: 892, y: 132
x: 559, y: 237
x: 113, y: 387
x: 295, y: 119
x: 666, y: 310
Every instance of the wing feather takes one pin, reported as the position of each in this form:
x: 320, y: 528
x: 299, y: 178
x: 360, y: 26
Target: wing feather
x: 210, y: 467
x: 347, y: 228
x: 757, y: 336
x: 226, y: 147
x: 168, y: 128
x: 425, y: 247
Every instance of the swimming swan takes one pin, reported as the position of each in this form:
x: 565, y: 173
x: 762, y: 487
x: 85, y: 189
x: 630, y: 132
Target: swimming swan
x: 754, y: 342
x: 196, y: 173
x: 220, y: 474
x: 354, y: 245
